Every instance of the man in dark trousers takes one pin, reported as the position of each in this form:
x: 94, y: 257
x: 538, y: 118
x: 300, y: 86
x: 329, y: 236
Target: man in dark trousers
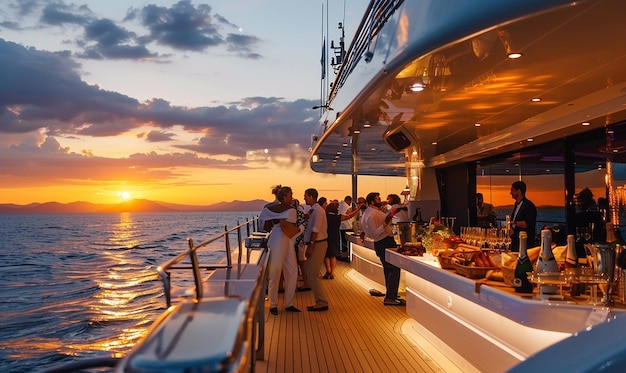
x: 375, y: 224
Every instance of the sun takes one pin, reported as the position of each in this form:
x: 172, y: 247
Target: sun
x: 124, y: 195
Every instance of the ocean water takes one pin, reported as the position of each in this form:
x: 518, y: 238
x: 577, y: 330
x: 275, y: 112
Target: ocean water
x: 76, y: 286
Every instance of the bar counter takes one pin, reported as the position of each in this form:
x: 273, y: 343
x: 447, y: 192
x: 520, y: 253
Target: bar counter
x: 481, y: 325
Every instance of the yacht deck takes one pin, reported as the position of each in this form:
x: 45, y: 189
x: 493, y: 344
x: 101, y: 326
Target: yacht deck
x: 357, y: 334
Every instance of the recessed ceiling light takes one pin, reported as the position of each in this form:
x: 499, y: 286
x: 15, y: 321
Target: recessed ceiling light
x: 476, y: 124
x: 417, y: 87
x: 535, y: 99
x: 586, y: 124
x: 434, y: 143
x: 514, y: 55
x: 367, y: 125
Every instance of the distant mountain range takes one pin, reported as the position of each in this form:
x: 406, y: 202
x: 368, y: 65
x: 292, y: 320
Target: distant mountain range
x: 135, y: 205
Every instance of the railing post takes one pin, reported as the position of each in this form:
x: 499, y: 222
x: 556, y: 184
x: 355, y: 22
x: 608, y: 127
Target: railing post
x: 197, y: 278
x: 240, y: 243
x: 229, y: 260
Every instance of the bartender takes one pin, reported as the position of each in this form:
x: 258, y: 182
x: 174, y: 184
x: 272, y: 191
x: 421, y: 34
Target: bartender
x: 485, y: 213
x: 523, y: 217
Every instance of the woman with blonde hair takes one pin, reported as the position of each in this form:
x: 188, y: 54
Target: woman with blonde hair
x: 282, y: 257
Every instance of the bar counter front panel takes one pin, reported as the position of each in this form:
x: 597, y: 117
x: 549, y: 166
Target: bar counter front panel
x: 491, y: 328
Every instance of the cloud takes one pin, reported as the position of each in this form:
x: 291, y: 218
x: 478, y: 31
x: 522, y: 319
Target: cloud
x: 183, y: 27
x: 58, y: 14
x: 56, y: 164
x: 157, y: 136
x: 112, y: 42
x: 43, y: 91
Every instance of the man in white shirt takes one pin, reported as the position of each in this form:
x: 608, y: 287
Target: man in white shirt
x: 376, y: 226
x: 345, y: 207
x: 316, y: 238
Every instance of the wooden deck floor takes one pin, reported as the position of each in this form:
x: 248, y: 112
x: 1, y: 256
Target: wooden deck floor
x: 357, y: 334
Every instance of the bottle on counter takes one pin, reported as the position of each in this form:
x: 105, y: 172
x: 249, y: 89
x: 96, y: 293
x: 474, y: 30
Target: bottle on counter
x: 546, y: 261
x: 521, y: 282
x: 571, y: 258
x: 419, y: 219
x: 571, y: 262
x: 581, y: 251
x: 611, y: 238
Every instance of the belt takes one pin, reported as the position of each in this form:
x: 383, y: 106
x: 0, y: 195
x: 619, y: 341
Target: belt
x: 325, y: 239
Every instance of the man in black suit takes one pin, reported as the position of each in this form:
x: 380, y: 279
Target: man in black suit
x: 523, y: 217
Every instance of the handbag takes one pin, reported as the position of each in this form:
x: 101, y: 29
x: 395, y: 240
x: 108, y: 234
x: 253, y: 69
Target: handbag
x: 288, y: 228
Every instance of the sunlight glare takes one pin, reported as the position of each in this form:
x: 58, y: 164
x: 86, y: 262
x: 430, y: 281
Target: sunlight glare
x: 124, y: 195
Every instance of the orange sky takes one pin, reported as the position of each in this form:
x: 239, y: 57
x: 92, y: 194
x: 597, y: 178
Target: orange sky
x: 542, y: 190
x: 203, y: 104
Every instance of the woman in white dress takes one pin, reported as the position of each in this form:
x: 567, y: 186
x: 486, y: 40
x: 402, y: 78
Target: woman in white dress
x: 282, y: 255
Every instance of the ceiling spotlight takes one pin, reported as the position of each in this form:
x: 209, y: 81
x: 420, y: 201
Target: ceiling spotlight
x: 586, y: 124
x: 535, y: 99
x: 417, y: 87
x: 506, y: 39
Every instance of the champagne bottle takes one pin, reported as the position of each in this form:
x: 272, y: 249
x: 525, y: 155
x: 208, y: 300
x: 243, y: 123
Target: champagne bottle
x: 521, y: 283
x: 571, y: 262
x: 610, y: 233
x: 571, y: 259
x: 581, y: 252
x: 546, y: 261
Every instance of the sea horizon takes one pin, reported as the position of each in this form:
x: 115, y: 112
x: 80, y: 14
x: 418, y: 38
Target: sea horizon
x: 132, y: 205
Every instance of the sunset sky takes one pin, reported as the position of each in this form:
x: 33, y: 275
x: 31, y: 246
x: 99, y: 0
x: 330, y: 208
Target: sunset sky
x: 185, y: 102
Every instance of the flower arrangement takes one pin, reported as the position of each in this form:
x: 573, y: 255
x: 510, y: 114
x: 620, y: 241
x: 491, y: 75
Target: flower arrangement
x: 433, y: 236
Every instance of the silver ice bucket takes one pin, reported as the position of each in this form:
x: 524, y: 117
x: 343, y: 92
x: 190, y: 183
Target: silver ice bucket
x: 604, y: 256
x: 406, y: 231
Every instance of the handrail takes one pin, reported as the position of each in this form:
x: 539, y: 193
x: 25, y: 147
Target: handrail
x: 361, y: 47
x: 165, y: 270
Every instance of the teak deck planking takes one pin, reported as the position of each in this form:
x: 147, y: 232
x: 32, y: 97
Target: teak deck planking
x: 357, y: 334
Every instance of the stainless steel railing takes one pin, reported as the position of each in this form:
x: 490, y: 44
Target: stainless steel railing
x: 165, y: 270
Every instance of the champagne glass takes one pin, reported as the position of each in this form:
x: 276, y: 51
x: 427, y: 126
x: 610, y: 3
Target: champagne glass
x: 507, y: 239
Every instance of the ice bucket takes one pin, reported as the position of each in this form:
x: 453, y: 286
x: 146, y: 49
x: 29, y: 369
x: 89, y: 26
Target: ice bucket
x: 406, y: 231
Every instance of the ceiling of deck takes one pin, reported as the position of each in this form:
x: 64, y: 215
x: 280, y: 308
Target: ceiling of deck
x: 478, y: 103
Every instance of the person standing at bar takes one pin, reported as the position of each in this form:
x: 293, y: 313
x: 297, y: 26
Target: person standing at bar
x: 345, y: 207
x: 376, y: 226
x: 316, y: 237
x: 523, y: 217
x: 485, y: 213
